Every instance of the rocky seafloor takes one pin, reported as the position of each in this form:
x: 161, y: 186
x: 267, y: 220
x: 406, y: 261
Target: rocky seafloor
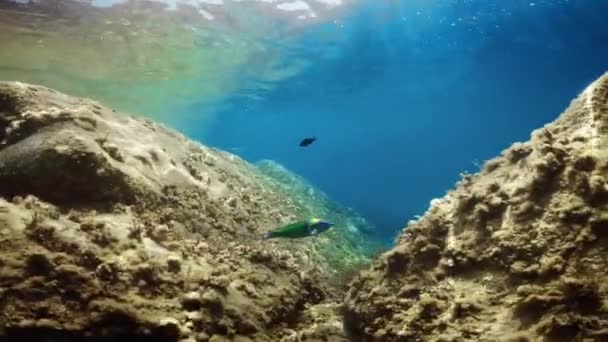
x: 115, y: 227
x: 516, y: 252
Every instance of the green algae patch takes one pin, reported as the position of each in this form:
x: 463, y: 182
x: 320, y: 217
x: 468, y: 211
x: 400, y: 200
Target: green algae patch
x: 347, y: 247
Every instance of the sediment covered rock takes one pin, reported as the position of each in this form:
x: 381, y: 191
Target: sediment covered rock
x: 114, y: 226
x: 516, y: 252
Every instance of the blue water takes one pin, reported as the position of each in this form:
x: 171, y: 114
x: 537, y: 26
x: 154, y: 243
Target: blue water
x: 411, y: 93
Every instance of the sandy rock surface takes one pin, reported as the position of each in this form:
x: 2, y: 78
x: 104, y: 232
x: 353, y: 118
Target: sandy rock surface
x: 114, y: 226
x: 517, y: 252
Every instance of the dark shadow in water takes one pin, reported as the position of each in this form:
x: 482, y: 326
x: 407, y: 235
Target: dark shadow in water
x: 8, y: 109
x: 352, y: 327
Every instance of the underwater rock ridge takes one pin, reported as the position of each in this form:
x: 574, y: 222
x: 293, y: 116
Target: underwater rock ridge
x: 515, y: 252
x: 115, y: 227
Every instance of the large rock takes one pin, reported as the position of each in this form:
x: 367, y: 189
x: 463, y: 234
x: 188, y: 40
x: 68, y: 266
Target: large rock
x: 66, y: 149
x: 115, y: 226
x: 516, y: 252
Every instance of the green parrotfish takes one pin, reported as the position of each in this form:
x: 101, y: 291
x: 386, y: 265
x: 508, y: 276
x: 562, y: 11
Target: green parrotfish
x: 310, y: 227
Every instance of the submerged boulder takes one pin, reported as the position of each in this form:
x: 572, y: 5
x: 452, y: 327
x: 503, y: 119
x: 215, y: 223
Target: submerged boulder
x: 516, y: 252
x: 115, y: 226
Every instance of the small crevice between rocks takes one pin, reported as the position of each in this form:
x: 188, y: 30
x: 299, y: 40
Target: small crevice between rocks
x: 56, y: 335
x: 111, y: 327
x: 8, y: 109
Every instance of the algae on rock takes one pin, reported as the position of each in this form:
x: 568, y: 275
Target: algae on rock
x: 347, y: 247
x: 114, y: 226
x: 516, y: 252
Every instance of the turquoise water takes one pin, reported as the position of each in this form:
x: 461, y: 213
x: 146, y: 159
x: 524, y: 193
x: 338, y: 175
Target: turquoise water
x: 403, y: 96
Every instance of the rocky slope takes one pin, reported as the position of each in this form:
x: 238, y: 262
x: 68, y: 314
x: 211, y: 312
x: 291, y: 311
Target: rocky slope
x: 113, y: 226
x: 346, y: 250
x: 516, y: 252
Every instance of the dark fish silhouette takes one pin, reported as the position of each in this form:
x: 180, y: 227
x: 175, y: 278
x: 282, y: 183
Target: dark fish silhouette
x: 307, y: 142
